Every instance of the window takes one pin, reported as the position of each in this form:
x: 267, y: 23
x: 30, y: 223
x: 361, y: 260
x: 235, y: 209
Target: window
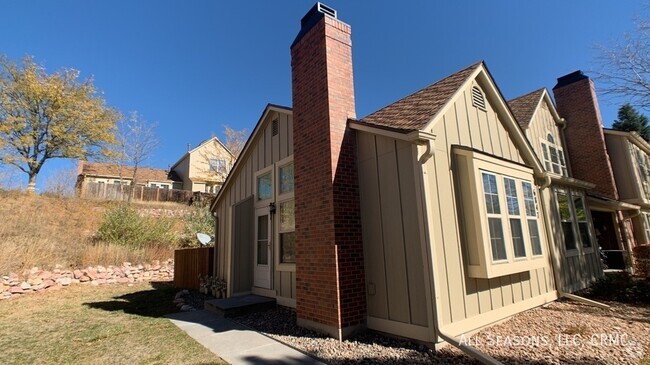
x: 217, y: 165
x: 491, y: 193
x: 531, y: 216
x: 287, y: 232
x: 264, y: 186
x: 646, y: 226
x: 500, y: 212
x: 574, y: 220
x: 262, y: 240
x: 286, y: 179
x: 553, y: 156
x: 581, y: 218
x: 153, y: 186
x: 566, y: 220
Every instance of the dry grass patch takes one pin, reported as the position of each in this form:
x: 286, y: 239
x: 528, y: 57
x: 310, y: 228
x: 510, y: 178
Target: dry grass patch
x: 45, y: 231
x: 113, y: 324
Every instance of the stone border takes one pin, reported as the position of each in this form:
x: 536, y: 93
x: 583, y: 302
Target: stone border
x: 37, y: 280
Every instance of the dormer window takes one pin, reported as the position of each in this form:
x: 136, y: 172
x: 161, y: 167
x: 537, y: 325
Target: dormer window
x: 553, y: 156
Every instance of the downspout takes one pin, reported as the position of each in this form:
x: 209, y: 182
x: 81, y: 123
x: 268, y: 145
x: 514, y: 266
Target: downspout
x: 556, y: 271
x: 462, y: 346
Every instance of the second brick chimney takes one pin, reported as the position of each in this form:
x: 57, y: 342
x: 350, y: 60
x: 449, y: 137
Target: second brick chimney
x: 575, y: 95
x: 330, y: 288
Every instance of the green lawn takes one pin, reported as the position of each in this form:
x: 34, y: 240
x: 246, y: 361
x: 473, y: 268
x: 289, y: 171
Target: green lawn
x: 111, y: 324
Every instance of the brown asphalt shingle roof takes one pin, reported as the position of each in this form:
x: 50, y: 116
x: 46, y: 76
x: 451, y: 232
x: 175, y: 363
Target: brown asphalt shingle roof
x: 524, y: 106
x: 416, y: 110
x: 109, y: 170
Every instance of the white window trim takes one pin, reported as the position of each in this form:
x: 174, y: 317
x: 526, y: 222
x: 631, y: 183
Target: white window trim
x: 534, y: 217
x: 281, y: 198
x: 474, y: 209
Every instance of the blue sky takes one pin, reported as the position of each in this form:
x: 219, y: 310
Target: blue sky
x: 194, y: 66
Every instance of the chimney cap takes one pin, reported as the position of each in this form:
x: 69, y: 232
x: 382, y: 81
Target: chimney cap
x: 315, y: 10
x: 568, y: 79
x: 316, y: 13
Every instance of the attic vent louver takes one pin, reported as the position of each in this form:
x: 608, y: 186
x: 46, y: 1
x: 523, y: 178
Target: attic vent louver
x: 478, y: 100
x: 274, y: 127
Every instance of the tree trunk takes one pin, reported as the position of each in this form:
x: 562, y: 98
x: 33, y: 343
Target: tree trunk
x: 31, y: 185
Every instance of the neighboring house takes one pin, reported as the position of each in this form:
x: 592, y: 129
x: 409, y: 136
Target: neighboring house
x: 593, y: 161
x: 105, y: 173
x: 576, y: 256
x: 425, y: 219
x: 205, y: 167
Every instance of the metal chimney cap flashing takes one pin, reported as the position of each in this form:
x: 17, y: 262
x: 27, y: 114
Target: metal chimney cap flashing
x: 570, y: 78
x: 316, y: 13
x: 317, y: 8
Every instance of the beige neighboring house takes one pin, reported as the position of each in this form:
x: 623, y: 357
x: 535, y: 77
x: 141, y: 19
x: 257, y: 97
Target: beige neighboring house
x: 204, y: 168
x: 105, y: 173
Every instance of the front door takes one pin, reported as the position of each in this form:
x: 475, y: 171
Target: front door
x: 262, y: 248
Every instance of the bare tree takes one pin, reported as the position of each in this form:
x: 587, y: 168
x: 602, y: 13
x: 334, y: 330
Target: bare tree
x: 624, y: 68
x: 136, y: 141
x: 235, y: 140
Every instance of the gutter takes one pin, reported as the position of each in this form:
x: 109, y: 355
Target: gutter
x: 429, y: 142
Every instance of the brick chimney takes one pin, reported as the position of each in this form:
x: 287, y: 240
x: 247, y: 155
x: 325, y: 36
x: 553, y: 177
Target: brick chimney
x: 575, y: 96
x: 330, y: 289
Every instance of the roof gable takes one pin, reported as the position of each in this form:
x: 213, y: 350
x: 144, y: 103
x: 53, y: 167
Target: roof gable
x: 526, y: 106
x: 415, y: 111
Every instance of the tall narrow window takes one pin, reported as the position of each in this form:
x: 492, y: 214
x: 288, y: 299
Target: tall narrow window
x: 566, y: 220
x: 514, y: 216
x: 581, y: 218
x: 287, y: 232
x: 554, y: 160
x: 531, y: 216
x: 497, y: 239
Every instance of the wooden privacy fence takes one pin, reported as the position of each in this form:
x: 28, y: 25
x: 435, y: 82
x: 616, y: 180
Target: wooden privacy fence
x: 189, y: 263
x: 93, y: 190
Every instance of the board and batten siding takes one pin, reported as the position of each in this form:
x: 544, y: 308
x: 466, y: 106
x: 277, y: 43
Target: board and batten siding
x: 263, y: 151
x: 576, y: 271
x: 470, y: 303
x: 394, y: 263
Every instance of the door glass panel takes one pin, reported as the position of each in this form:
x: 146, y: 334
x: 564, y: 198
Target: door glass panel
x: 262, y: 240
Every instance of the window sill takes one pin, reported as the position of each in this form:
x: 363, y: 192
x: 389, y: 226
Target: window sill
x: 506, y: 268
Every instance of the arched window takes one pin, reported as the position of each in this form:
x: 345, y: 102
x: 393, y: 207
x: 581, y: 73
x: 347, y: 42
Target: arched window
x: 553, y: 156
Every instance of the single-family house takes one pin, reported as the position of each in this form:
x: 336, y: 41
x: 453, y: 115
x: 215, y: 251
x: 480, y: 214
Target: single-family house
x: 591, y: 160
x: 572, y: 232
x: 425, y: 219
x: 205, y: 167
x: 106, y: 173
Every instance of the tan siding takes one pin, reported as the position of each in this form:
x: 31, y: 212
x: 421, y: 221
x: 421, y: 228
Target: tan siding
x: 461, y: 297
x: 264, y: 151
x: 394, y: 266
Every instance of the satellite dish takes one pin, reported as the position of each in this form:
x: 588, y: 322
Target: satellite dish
x: 205, y: 239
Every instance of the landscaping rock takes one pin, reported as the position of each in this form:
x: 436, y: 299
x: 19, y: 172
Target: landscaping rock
x: 64, y: 281
x: 47, y: 283
x: 187, y: 308
x: 25, y: 286
x: 77, y: 274
x: 16, y: 290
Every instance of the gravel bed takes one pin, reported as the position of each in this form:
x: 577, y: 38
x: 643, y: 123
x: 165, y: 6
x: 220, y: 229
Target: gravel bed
x: 563, y: 332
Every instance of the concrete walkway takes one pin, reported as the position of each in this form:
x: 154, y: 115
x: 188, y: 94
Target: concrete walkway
x: 235, y: 343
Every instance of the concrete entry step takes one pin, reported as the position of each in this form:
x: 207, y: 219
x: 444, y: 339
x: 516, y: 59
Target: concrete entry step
x: 235, y: 306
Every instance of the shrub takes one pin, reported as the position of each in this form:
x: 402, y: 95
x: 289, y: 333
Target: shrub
x: 198, y: 220
x: 621, y: 287
x: 123, y: 225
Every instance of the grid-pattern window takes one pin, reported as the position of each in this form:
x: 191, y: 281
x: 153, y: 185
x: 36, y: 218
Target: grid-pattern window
x: 581, y: 218
x: 531, y: 217
x: 514, y: 217
x: 495, y: 219
x: 553, y: 156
